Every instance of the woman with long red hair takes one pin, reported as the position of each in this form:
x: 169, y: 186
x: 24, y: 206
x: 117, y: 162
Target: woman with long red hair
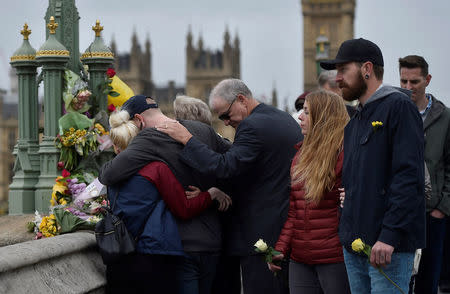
x: 310, y: 233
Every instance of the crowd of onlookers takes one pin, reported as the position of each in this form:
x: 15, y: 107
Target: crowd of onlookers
x: 197, y: 203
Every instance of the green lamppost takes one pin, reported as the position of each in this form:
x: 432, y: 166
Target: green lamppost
x: 322, y: 49
x: 26, y: 166
x: 66, y: 15
x: 53, y: 57
x: 98, y: 57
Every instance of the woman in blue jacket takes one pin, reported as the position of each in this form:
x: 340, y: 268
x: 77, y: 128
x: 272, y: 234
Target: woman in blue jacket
x: 147, y: 203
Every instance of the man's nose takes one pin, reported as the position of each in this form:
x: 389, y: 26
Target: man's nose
x: 226, y: 122
x: 408, y: 86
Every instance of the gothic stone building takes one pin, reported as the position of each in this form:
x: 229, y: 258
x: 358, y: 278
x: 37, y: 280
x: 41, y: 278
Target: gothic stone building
x: 134, y: 68
x: 332, y: 19
x: 206, y: 68
x: 8, y: 138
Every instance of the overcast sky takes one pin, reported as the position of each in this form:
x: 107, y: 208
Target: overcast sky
x: 270, y: 32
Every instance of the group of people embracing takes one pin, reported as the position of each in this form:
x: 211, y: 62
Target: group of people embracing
x: 197, y: 203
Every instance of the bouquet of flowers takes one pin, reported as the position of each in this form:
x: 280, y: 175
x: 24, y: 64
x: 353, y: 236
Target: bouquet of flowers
x: 71, y: 206
x: 118, y: 92
x: 76, y: 143
x: 77, y: 198
x: 76, y: 93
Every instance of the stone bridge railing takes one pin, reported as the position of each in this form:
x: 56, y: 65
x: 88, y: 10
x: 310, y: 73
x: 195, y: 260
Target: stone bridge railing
x: 63, y: 264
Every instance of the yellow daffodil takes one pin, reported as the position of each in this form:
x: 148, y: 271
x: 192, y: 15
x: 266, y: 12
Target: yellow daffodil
x: 59, y: 187
x: 101, y: 129
x: 53, y: 200
x: 48, y: 226
x: 376, y: 125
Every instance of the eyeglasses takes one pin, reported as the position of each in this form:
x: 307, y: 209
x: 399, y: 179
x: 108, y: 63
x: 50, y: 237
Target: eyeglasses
x: 226, y: 114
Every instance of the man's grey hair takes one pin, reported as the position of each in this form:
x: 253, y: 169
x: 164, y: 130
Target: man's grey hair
x: 191, y: 108
x: 327, y: 77
x: 228, y: 90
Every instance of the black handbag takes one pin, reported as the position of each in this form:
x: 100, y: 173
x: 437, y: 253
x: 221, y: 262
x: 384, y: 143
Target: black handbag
x: 112, y: 236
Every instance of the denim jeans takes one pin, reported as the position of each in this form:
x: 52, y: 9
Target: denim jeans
x: 196, y: 272
x: 364, y: 278
x: 427, y: 278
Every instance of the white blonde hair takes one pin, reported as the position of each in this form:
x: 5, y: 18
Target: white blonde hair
x: 122, y: 128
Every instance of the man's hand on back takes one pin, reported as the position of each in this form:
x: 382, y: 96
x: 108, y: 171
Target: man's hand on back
x: 176, y: 130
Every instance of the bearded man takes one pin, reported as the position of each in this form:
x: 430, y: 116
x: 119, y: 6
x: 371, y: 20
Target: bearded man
x: 383, y: 173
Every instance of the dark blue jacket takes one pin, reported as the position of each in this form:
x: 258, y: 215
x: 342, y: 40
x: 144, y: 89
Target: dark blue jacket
x: 257, y: 166
x: 141, y: 207
x: 383, y: 174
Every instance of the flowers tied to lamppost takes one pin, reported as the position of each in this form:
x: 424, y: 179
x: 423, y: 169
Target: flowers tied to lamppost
x: 359, y: 246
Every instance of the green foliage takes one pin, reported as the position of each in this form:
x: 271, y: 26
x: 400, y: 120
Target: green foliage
x: 30, y: 227
x: 74, y: 120
x: 69, y: 222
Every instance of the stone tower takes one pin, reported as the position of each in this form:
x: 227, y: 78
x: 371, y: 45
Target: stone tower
x: 332, y: 19
x: 205, y: 68
x: 134, y: 68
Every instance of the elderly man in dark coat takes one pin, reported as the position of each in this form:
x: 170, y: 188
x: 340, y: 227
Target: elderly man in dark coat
x: 257, y: 166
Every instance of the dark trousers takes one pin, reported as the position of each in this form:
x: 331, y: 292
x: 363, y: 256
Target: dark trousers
x: 318, y: 279
x: 228, y: 276
x: 427, y: 279
x: 196, y: 272
x: 143, y: 273
x: 257, y: 278
x: 445, y: 272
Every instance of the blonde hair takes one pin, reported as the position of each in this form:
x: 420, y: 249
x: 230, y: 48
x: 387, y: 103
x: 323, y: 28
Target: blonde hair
x: 315, y: 166
x: 122, y: 128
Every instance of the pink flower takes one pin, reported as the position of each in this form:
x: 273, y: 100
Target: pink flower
x: 65, y: 173
x: 38, y: 236
x: 60, y: 164
x: 110, y: 73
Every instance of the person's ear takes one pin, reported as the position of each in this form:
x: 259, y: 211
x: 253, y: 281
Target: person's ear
x: 241, y: 98
x: 367, y: 69
x: 139, y: 121
x: 428, y: 79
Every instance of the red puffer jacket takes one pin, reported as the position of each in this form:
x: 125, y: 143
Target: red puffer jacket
x: 311, y: 231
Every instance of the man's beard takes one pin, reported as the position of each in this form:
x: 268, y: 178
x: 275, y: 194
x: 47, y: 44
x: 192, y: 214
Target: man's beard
x: 355, y: 91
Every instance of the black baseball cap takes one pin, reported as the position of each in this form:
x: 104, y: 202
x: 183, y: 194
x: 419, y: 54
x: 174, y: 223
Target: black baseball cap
x: 137, y: 105
x: 355, y: 50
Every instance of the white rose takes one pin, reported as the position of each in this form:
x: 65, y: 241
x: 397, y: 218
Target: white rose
x: 261, y: 245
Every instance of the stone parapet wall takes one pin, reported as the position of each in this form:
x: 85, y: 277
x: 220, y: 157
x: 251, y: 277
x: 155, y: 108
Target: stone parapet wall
x: 63, y: 264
